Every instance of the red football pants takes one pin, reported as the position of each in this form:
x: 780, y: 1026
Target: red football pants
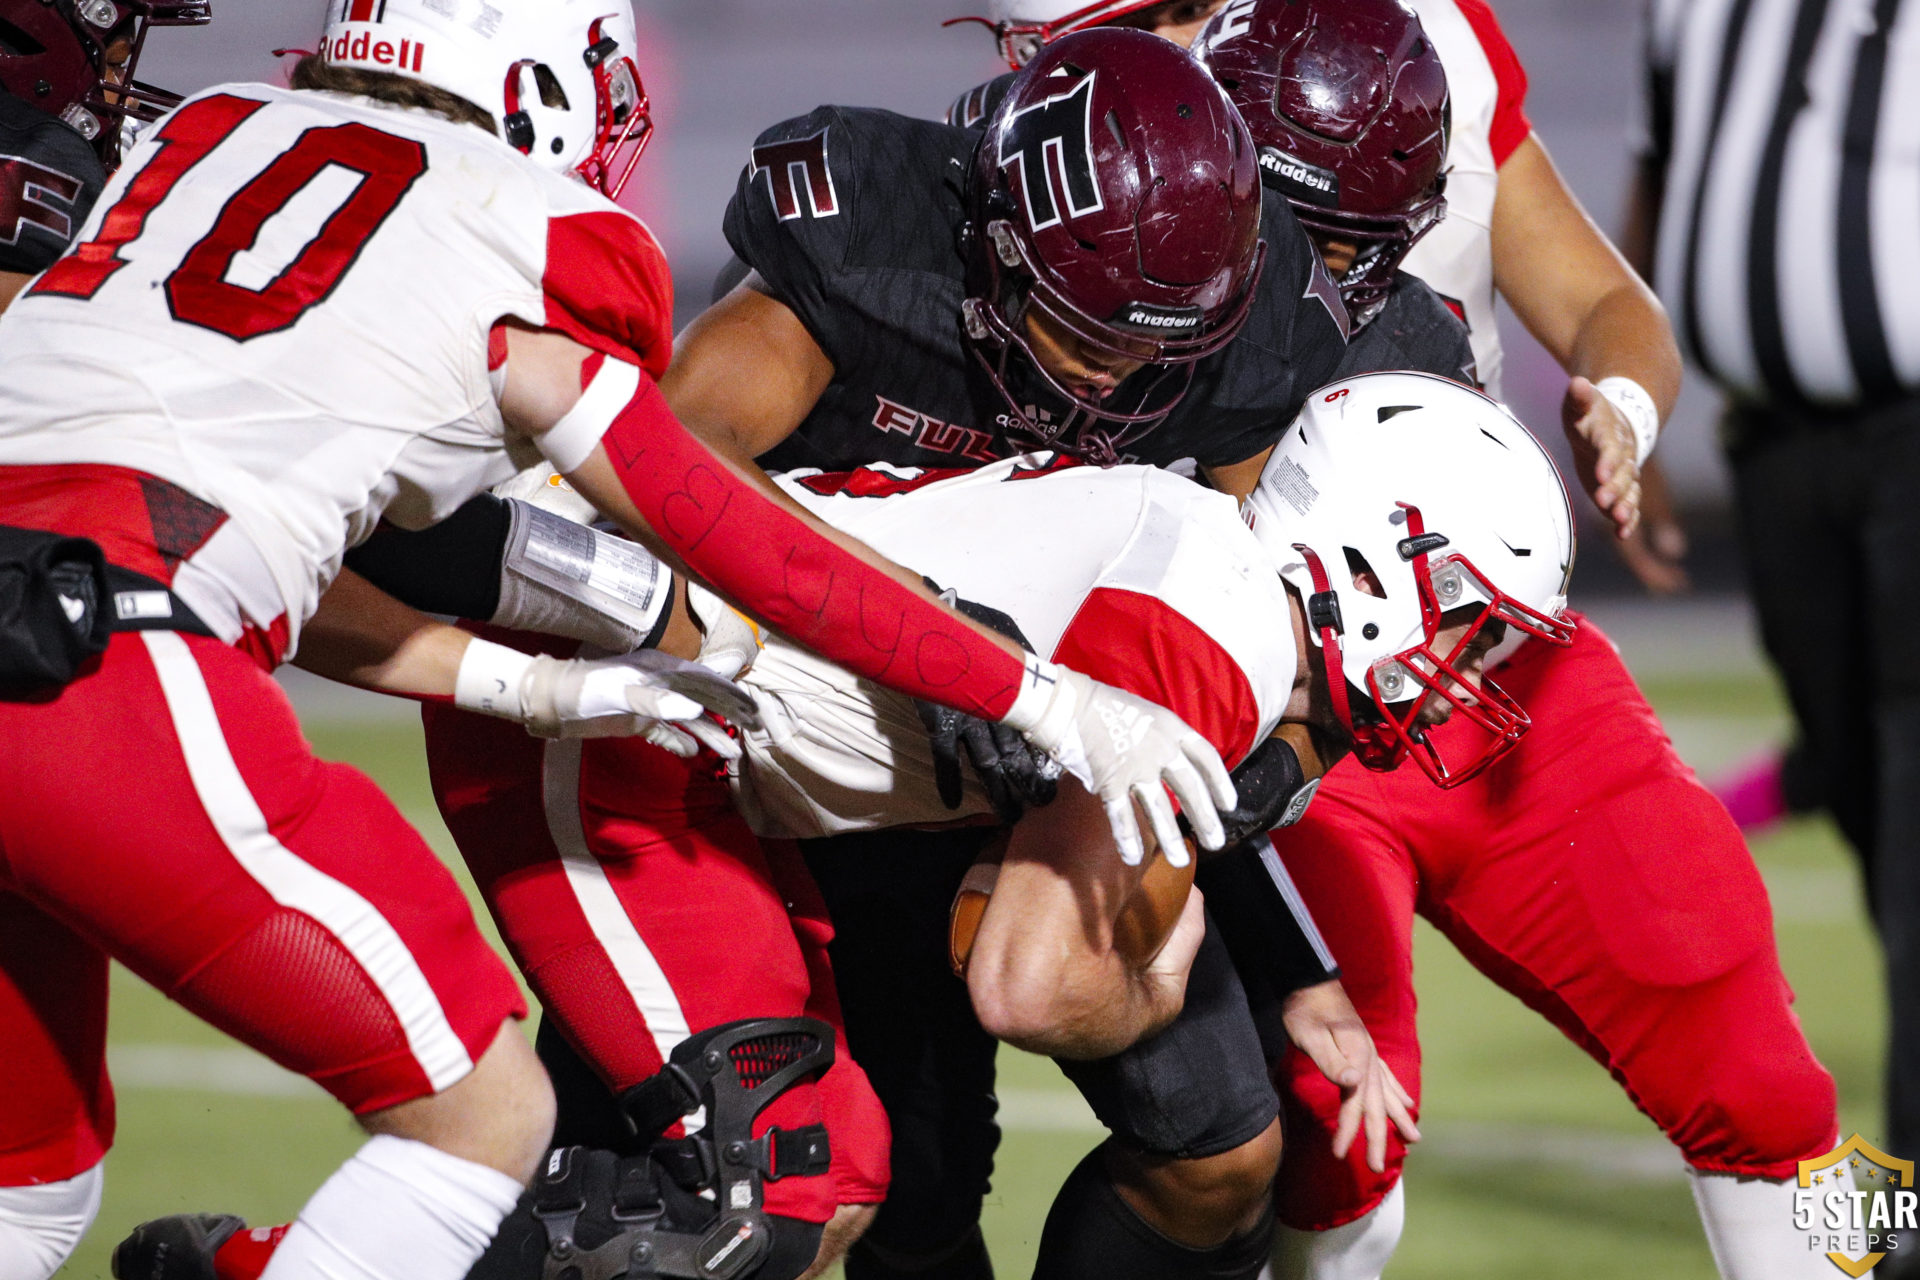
x: 164, y: 810
x: 1592, y: 876
x: 641, y: 909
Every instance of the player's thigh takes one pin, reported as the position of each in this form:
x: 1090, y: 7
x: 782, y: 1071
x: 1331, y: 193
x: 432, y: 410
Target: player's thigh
x: 1643, y: 931
x: 168, y: 809
x: 57, y: 1119
x: 640, y: 908
x: 636, y: 902
x: 1198, y: 1088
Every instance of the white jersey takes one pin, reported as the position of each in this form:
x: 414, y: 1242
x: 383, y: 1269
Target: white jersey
x: 1133, y: 575
x: 1487, y: 88
x: 282, y: 308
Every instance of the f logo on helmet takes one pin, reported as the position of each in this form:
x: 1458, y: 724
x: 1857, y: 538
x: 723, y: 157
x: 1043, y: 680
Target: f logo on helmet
x: 1055, y: 135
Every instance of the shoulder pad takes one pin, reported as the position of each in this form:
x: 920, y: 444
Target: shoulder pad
x: 971, y: 109
x: 833, y: 196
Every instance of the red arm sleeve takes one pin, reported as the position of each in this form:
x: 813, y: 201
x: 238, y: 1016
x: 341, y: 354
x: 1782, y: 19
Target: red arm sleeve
x: 1510, y: 123
x: 774, y: 565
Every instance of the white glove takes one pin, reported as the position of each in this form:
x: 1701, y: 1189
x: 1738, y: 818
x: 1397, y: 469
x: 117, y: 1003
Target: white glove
x: 647, y: 693
x: 732, y: 640
x: 1127, y: 751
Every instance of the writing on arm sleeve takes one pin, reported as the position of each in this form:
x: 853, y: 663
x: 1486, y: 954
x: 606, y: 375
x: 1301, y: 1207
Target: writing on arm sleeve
x: 797, y: 580
x: 1510, y: 123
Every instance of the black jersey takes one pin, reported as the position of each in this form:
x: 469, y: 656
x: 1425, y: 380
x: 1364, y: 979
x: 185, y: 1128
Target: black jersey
x: 49, y: 179
x: 852, y: 219
x: 1416, y: 330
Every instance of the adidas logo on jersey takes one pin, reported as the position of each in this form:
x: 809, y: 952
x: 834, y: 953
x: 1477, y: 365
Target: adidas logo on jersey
x: 366, y: 50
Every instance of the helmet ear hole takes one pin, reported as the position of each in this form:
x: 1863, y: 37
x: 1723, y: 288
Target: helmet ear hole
x: 1365, y: 579
x: 552, y: 95
x: 16, y: 43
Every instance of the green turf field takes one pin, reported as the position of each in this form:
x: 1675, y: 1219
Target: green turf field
x: 1535, y: 1162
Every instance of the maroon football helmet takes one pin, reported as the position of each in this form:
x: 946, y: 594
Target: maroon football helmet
x: 1114, y: 192
x: 1347, y: 102
x: 55, y: 55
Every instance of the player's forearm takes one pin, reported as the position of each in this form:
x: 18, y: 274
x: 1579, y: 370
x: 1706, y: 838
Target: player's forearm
x: 606, y: 426
x: 1626, y: 334
x: 11, y: 283
x: 1047, y: 972
x: 1571, y: 287
x: 363, y: 637
x: 753, y: 544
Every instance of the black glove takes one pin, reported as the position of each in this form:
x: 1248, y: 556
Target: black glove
x: 1017, y: 776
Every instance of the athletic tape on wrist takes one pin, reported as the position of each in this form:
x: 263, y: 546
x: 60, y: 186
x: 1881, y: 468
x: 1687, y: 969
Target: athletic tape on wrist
x: 489, y: 679
x: 564, y: 578
x: 1041, y: 690
x: 570, y: 441
x: 1637, y: 407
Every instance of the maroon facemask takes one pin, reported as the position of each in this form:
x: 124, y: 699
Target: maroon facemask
x: 58, y: 55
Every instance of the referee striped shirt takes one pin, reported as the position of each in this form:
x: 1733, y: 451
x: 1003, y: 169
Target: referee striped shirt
x: 1789, y: 249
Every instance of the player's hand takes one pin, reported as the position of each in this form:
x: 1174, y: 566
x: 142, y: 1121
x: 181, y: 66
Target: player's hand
x: 731, y: 641
x: 1017, y: 775
x: 1323, y: 1024
x: 1657, y: 550
x: 1604, y: 451
x: 646, y: 693
x: 1130, y: 753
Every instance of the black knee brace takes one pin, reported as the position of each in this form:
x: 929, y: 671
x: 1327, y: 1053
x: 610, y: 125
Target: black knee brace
x: 688, y: 1207
x: 1092, y: 1234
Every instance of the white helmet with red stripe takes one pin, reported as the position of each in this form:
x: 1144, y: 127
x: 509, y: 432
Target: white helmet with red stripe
x: 1435, y: 498
x: 558, y: 75
x: 1023, y: 26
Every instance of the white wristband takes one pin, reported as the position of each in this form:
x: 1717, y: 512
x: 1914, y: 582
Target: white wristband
x: 1637, y: 407
x: 1042, y: 689
x: 489, y: 680
x: 570, y: 441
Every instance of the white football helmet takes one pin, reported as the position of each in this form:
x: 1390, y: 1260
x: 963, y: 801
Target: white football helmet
x: 1449, y: 502
x: 1023, y: 26
x: 558, y: 75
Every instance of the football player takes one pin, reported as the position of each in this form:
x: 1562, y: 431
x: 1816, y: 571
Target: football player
x: 914, y: 315
x: 171, y: 547
x: 856, y: 301
x: 1156, y: 582
x: 1202, y: 1173
x: 1588, y: 872
x: 57, y: 137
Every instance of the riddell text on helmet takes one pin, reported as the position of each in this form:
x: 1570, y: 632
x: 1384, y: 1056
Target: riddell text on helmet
x: 364, y: 48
